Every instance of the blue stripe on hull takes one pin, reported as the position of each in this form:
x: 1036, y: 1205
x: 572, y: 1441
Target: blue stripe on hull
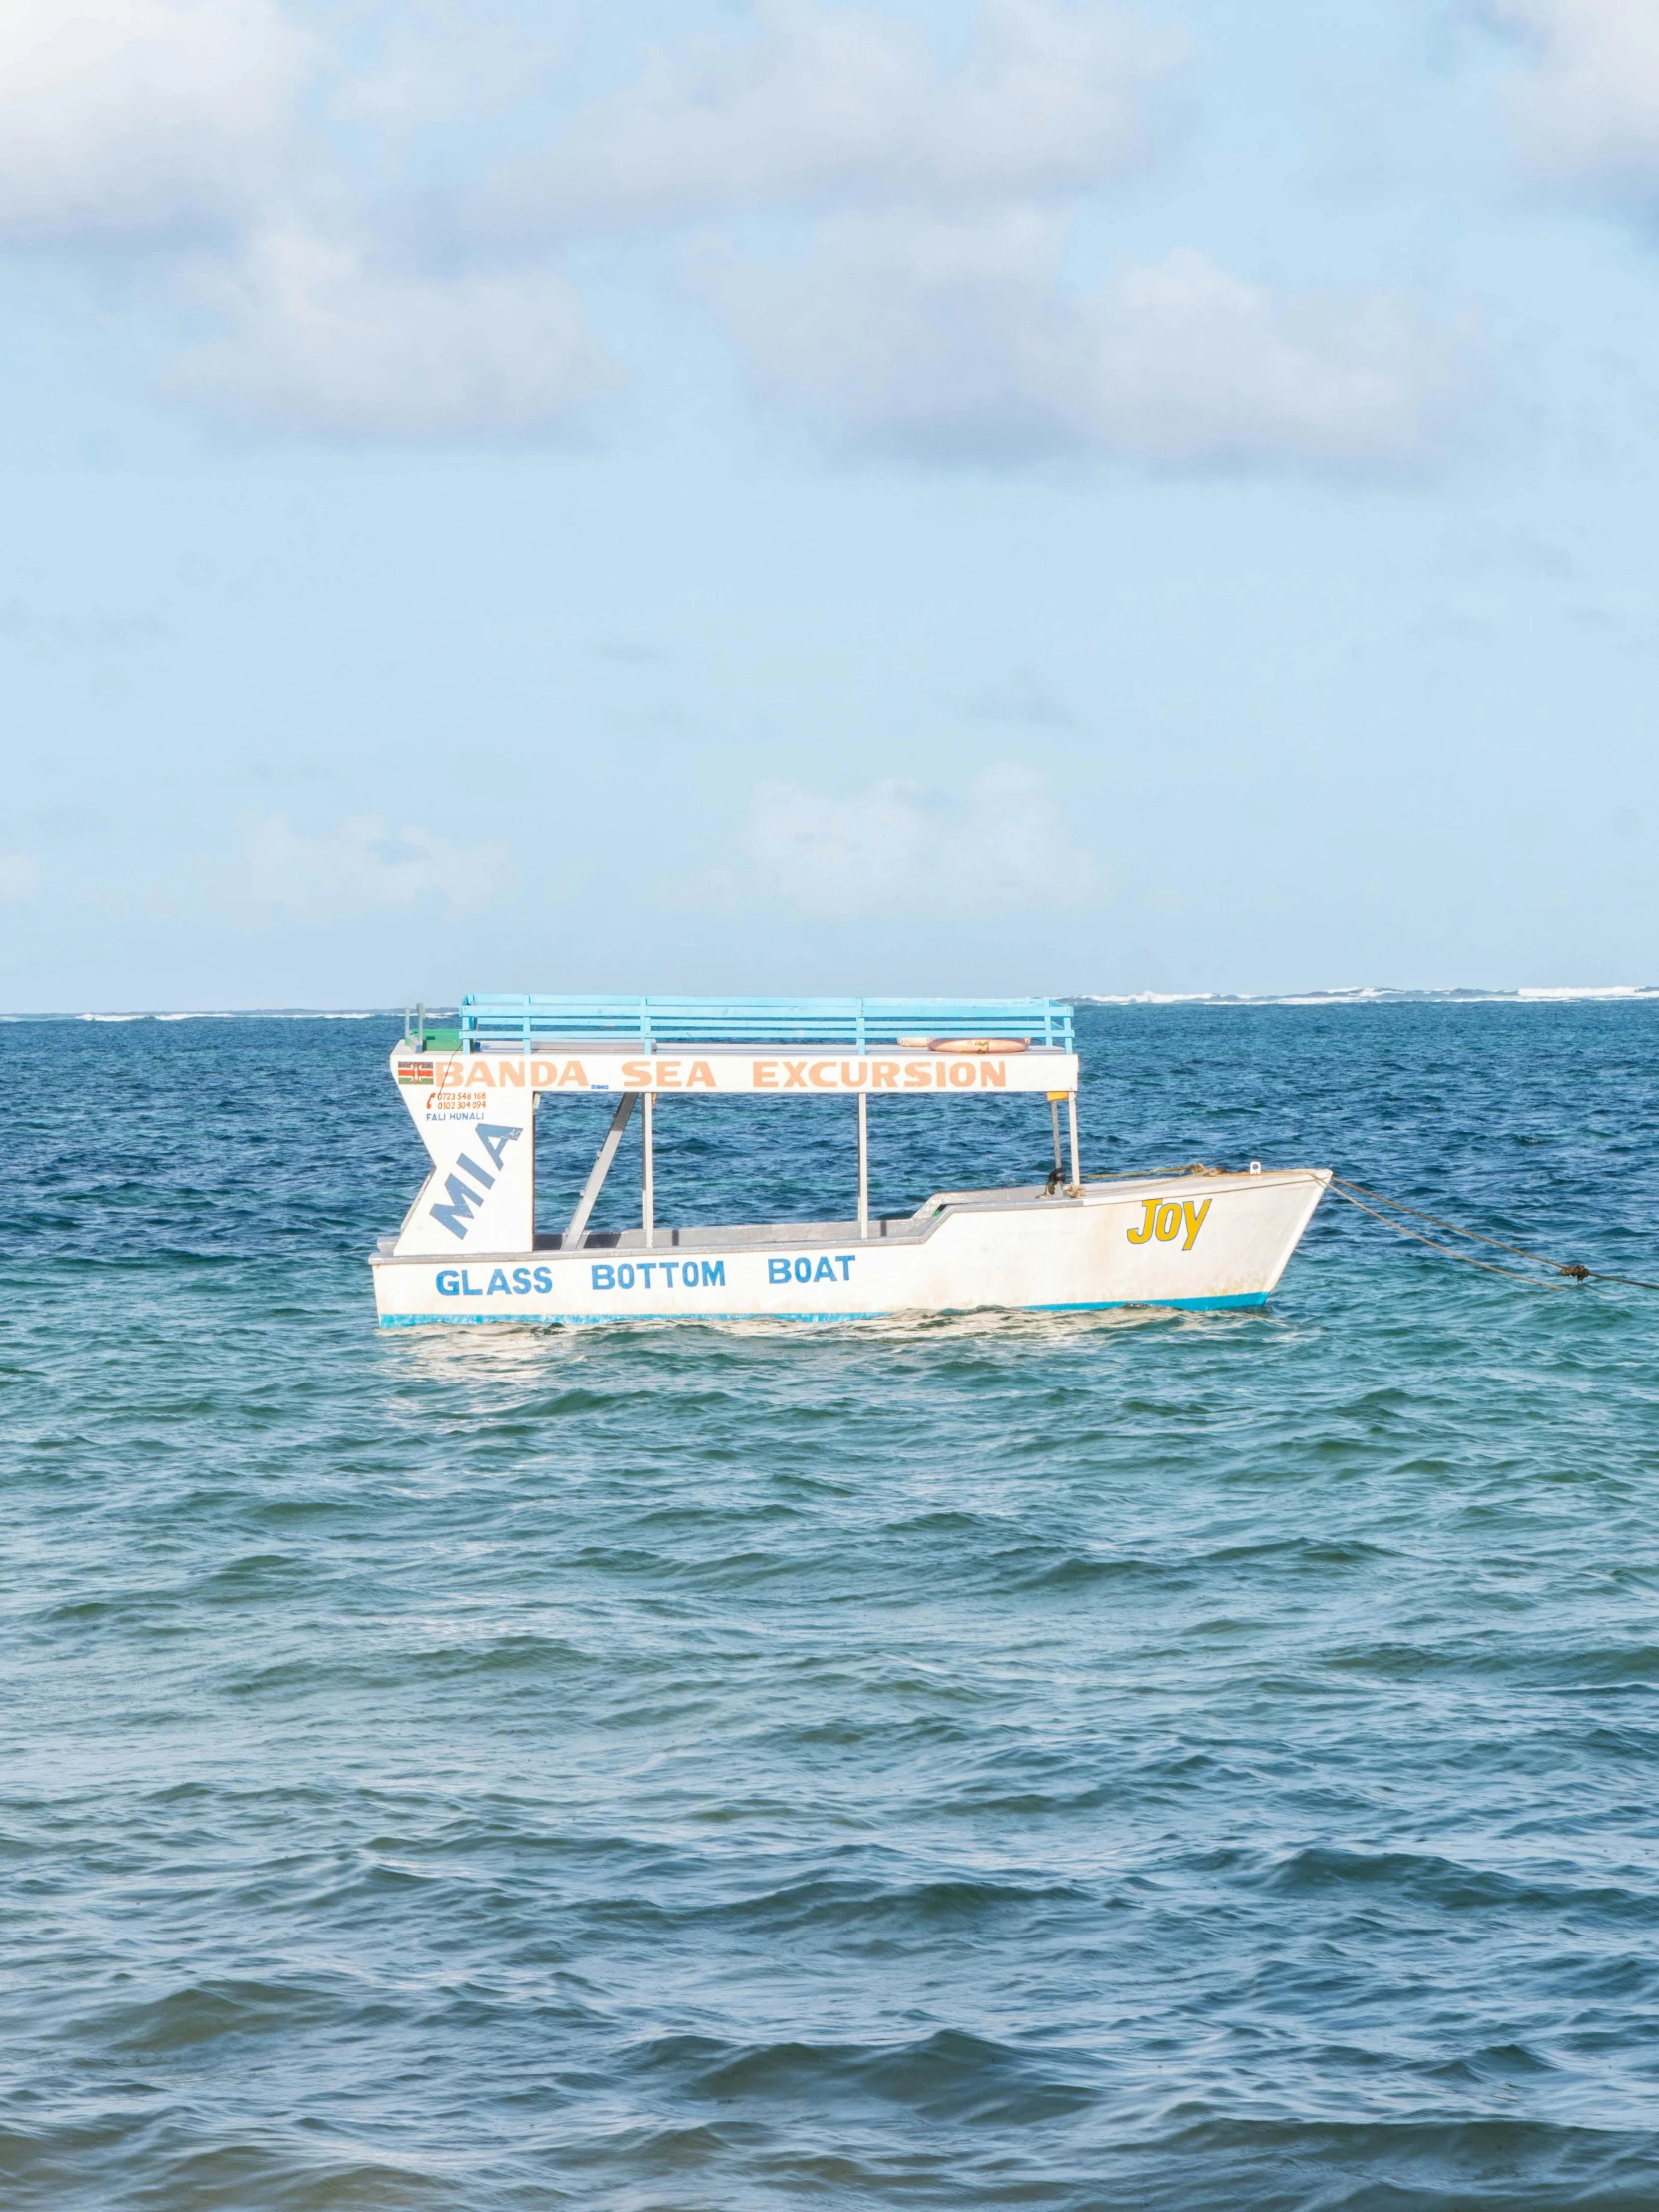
x: 599, y: 1320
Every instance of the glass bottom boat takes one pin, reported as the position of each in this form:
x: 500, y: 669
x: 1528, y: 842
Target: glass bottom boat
x: 468, y: 1250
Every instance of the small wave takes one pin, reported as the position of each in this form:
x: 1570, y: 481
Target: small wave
x: 1420, y: 1878
x: 950, y: 2075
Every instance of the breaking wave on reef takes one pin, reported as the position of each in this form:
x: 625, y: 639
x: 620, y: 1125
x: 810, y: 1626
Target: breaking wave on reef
x: 1358, y: 995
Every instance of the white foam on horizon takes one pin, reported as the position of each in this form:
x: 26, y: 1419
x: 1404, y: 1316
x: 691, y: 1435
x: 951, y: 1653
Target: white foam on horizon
x: 1584, y: 990
x: 1373, y: 995
x: 1361, y: 994
x: 232, y: 1013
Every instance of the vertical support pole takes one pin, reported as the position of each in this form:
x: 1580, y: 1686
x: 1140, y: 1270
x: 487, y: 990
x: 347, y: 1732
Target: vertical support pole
x: 1076, y: 1178
x: 1054, y: 1116
x: 864, y: 1165
x: 648, y: 1188
x: 420, y: 1028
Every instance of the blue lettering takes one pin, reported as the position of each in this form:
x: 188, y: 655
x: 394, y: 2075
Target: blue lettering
x: 844, y: 1260
x: 604, y: 1276
x: 449, y: 1283
x: 668, y: 1267
x: 499, y: 1280
x: 495, y: 1138
x: 459, y: 1209
x: 777, y: 1270
x: 477, y: 1173
x: 714, y: 1270
x: 646, y: 1267
x: 544, y: 1280
x: 624, y: 1275
x: 804, y: 1270
x: 521, y: 1280
x: 824, y: 1271
x: 466, y: 1286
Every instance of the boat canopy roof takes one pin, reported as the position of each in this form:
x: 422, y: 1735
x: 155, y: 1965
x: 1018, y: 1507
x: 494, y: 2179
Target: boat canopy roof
x: 491, y: 1022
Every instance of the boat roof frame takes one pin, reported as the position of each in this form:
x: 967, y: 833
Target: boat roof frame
x: 496, y: 1022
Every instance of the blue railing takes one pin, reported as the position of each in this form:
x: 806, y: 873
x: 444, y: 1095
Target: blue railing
x: 494, y: 1020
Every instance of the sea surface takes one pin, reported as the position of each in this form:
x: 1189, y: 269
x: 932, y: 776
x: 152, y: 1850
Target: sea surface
x: 1131, y: 1761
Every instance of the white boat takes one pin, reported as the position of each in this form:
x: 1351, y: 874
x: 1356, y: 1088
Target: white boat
x: 468, y: 1250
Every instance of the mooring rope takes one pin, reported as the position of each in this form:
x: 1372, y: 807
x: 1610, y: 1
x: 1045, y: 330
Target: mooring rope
x: 1571, y: 1270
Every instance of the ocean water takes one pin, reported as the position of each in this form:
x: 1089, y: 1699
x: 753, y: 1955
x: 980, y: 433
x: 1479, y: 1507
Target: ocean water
x: 1101, y: 1760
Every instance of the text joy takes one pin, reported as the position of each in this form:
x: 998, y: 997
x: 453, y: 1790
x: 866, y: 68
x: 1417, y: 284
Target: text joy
x: 1165, y: 1218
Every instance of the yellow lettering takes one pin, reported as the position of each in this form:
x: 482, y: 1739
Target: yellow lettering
x: 701, y: 1078
x: 1195, y: 1221
x: 1169, y: 1220
x: 1143, y: 1235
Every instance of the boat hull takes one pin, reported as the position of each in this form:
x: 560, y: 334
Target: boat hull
x: 1184, y: 1241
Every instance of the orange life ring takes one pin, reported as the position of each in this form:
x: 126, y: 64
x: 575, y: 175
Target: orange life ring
x: 976, y: 1044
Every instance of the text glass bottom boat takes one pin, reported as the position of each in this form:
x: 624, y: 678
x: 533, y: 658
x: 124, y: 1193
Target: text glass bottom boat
x: 468, y: 1250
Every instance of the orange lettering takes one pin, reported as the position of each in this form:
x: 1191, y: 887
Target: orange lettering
x: 883, y: 1076
x: 543, y: 1074
x: 509, y: 1071
x: 636, y: 1075
x: 918, y: 1075
x: 575, y: 1076
x: 853, y: 1073
x: 765, y: 1075
x: 701, y: 1078
x: 993, y: 1075
x: 668, y: 1074
x: 816, y: 1077
x: 794, y: 1075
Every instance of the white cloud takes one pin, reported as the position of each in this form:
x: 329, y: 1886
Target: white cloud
x: 924, y: 312
x: 19, y: 878
x: 1585, y: 106
x: 962, y: 341
x: 362, y: 864
x: 122, y: 116
x: 819, y: 107
x: 315, y: 335
x: 1002, y: 844
x: 423, y: 61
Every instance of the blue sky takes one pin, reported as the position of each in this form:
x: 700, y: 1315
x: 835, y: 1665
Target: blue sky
x: 971, y: 497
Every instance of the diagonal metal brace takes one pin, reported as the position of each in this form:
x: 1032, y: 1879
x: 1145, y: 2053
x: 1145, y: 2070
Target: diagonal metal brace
x: 595, y: 1183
